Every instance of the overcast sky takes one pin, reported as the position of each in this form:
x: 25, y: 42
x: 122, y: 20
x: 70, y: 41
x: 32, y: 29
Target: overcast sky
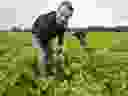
x: 87, y: 12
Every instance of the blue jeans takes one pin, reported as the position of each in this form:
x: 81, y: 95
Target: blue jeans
x: 47, y: 50
x: 45, y: 57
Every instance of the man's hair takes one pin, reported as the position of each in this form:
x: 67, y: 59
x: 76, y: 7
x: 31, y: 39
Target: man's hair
x: 68, y: 4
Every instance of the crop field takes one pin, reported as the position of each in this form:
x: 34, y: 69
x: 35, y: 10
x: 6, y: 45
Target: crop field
x: 98, y: 70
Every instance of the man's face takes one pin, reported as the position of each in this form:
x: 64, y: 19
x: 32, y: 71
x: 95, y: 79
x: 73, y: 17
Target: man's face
x: 64, y: 14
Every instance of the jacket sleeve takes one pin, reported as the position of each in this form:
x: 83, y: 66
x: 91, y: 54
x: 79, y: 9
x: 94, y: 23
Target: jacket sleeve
x: 40, y: 25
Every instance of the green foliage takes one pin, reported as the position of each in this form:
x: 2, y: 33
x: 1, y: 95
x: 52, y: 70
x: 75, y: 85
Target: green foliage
x: 88, y: 72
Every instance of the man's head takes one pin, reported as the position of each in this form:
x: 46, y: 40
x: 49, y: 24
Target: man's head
x: 64, y: 11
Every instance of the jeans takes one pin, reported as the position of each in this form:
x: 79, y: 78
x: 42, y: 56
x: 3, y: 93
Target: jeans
x: 45, y: 56
x: 37, y: 43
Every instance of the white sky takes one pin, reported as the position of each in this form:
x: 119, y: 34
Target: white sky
x: 87, y: 12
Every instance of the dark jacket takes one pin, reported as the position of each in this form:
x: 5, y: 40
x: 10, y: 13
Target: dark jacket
x: 45, y: 26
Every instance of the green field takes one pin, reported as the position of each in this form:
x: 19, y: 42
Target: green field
x: 99, y: 70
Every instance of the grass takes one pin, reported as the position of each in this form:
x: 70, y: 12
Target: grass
x: 90, y: 72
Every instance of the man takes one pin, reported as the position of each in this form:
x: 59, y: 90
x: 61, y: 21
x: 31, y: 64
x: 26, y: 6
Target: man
x: 51, y: 25
x: 48, y: 26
